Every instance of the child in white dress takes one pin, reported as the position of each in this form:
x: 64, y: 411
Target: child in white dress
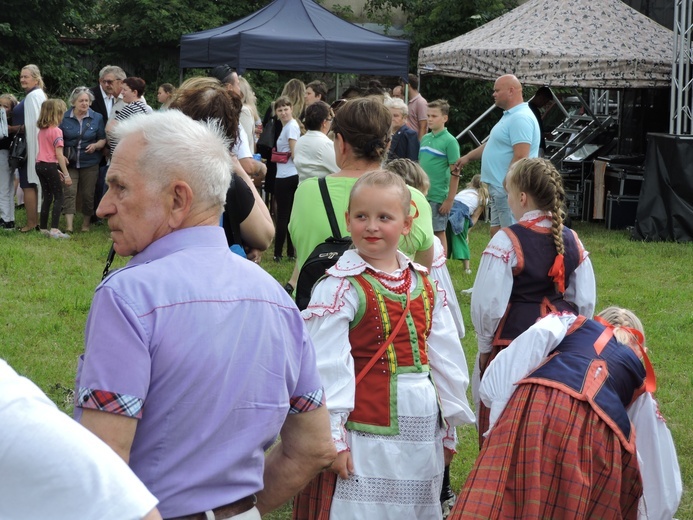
x: 394, y: 372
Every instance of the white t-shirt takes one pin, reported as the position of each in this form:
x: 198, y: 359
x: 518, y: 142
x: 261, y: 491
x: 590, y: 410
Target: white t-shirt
x: 247, y: 122
x: 290, y: 130
x: 470, y: 198
x: 52, y: 467
x: 241, y: 149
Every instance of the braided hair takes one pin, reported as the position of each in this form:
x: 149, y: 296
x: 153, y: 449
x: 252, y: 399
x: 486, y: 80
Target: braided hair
x: 619, y: 318
x: 540, y: 179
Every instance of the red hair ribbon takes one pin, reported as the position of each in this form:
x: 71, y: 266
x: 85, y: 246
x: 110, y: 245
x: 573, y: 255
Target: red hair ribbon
x: 416, y: 214
x: 650, y: 378
x: 557, y: 272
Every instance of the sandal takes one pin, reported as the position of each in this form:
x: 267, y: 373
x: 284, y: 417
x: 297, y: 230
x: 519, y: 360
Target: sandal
x: 27, y: 230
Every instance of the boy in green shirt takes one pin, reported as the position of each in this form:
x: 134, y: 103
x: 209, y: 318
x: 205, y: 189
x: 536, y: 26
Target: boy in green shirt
x: 437, y: 156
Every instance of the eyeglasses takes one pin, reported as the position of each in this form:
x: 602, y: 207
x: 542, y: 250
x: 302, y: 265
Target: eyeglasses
x: 107, y: 81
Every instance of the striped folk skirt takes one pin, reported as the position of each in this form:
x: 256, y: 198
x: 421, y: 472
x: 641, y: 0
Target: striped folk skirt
x: 550, y: 456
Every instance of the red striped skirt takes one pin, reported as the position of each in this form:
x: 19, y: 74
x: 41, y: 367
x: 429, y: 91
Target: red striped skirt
x: 315, y: 501
x: 550, y: 456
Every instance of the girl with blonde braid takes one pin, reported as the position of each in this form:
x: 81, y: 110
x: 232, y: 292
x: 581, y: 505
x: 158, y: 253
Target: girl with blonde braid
x: 528, y: 270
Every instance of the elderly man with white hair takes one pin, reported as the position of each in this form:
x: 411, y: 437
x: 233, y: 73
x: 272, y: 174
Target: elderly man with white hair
x: 405, y: 141
x: 195, y: 358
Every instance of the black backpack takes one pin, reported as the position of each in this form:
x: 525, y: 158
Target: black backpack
x: 324, y: 256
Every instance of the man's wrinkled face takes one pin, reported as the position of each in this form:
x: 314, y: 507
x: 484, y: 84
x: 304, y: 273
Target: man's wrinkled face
x: 136, y: 209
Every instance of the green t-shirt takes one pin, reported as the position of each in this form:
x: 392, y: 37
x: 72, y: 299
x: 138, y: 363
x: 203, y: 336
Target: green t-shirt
x: 309, y: 227
x: 436, y: 153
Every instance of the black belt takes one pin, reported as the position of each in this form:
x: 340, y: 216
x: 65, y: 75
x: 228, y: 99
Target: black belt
x: 229, y: 510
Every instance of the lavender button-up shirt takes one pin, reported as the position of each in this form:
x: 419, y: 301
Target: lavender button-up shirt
x: 210, y: 354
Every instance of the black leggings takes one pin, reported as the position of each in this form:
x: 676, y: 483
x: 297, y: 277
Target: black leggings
x: 52, y: 188
x: 284, y: 190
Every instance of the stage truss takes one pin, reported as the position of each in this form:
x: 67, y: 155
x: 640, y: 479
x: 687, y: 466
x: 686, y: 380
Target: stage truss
x: 681, y: 120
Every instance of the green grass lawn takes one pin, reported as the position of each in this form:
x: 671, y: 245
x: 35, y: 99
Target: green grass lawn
x: 46, y: 288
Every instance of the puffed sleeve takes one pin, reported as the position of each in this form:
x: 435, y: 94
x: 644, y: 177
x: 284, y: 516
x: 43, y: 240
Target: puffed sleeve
x: 492, y: 288
x: 449, y: 365
x: 659, y: 465
x: 332, y: 307
x: 582, y: 287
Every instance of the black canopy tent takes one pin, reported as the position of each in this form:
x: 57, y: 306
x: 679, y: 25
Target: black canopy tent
x: 296, y: 35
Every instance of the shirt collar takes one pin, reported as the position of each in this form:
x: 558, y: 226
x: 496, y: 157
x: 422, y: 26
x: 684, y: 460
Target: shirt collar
x: 197, y: 236
x: 515, y: 108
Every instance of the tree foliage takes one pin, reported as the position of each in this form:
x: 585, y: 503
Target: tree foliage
x: 434, y: 21
x: 30, y: 32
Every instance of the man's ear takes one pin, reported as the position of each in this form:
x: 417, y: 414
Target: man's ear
x: 181, y: 203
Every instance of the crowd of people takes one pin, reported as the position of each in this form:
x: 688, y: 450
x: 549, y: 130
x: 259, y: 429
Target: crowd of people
x: 226, y: 401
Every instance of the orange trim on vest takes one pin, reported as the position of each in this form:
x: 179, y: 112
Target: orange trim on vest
x: 519, y: 253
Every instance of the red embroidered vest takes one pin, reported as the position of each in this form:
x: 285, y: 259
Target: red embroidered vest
x: 375, y: 409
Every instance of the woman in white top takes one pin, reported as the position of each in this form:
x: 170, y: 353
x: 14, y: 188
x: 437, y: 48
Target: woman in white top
x: 287, y: 176
x: 314, y: 154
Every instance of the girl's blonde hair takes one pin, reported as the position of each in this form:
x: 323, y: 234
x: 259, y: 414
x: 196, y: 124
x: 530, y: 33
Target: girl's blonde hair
x: 411, y: 172
x: 52, y: 111
x: 13, y: 100
x: 295, y: 90
x: 481, y: 189
x: 383, y: 179
x: 248, y: 96
x: 620, y: 317
x: 539, y: 179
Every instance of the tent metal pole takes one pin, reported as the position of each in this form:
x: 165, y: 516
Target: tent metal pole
x: 336, y: 86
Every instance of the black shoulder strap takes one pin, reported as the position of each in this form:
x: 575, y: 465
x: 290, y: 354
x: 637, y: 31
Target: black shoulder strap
x: 329, y: 209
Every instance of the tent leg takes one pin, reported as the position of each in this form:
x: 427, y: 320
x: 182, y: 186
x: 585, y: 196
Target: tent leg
x: 336, y: 87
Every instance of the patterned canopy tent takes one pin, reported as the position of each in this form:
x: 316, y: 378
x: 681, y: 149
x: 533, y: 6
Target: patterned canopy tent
x: 561, y: 43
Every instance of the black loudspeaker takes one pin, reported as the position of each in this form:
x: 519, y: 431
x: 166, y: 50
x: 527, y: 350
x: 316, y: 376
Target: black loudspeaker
x: 621, y: 211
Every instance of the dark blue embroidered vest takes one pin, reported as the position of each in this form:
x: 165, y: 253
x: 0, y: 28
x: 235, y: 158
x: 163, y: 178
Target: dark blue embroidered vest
x: 609, y: 381
x: 534, y: 293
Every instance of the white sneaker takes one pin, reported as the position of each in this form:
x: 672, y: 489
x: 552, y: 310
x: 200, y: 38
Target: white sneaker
x: 467, y: 271
x: 59, y: 235
x: 467, y: 291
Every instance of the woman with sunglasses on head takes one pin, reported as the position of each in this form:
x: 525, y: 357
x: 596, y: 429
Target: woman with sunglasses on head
x: 84, y: 134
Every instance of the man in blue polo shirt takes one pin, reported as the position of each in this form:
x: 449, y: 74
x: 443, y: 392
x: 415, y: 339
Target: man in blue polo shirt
x: 514, y: 137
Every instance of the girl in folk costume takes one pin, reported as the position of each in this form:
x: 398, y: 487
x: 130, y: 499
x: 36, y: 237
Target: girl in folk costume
x: 575, y: 431
x: 394, y: 372
x: 529, y: 269
x: 416, y: 177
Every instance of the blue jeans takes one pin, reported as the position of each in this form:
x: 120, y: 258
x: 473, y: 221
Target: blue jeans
x: 501, y: 216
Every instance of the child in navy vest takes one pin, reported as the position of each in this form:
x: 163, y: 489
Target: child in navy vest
x: 529, y: 269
